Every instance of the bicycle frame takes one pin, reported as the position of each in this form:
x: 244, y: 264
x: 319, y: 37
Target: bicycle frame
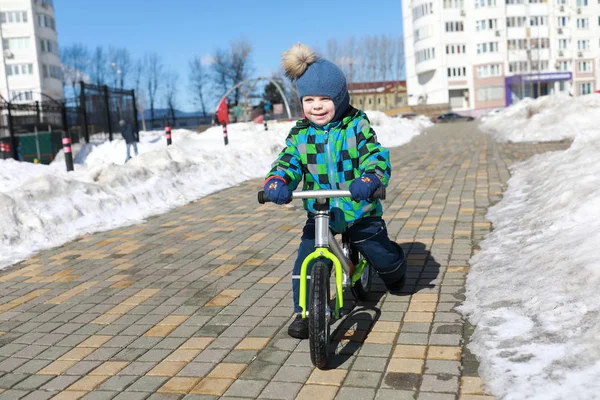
x: 324, y: 241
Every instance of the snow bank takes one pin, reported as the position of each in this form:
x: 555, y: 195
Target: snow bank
x: 544, y: 119
x: 44, y: 206
x: 532, y: 289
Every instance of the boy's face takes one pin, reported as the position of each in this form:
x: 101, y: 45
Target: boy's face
x: 319, y: 110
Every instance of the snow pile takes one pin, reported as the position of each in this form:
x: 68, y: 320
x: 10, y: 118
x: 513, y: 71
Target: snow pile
x: 44, y: 206
x: 532, y: 289
x: 544, y: 119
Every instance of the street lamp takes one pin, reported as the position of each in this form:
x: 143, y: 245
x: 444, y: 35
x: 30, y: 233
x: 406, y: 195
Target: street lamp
x: 117, y: 72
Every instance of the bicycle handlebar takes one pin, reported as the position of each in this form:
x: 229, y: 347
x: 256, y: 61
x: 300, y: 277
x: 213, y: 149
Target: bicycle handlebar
x: 380, y: 193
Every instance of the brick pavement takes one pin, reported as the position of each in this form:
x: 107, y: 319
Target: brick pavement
x: 195, y: 303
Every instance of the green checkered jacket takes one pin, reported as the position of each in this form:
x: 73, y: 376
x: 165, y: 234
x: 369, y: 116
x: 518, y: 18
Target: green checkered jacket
x: 331, y: 157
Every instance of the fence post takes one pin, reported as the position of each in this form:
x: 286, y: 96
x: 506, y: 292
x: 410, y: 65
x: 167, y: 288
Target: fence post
x: 37, y: 112
x: 83, y: 110
x: 265, y: 123
x: 135, y: 117
x: 168, y: 134
x: 66, y: 141
x: 106, y: 105
x: 225, y: 138
x: 13, y: 138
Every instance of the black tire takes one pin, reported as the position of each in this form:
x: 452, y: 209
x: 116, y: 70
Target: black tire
x: 361, y: 288
x: 318, y: 324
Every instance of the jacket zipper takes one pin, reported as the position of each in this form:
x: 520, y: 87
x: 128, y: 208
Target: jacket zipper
x: 331, y: 171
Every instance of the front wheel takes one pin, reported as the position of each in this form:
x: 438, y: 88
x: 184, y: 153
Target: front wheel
x: 318, y: 314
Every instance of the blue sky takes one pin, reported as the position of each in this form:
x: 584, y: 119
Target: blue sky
x: 180, y: 29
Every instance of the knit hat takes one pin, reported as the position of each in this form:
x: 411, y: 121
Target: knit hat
x: 316, y: 76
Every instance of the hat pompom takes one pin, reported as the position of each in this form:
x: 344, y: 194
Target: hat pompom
x: 297, y: 59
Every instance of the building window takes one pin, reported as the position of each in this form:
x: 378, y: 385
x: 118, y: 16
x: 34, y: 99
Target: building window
x: 19, y: 69
x: 46, y: 21
x: 537, y: 1
x: 454, y: 26
x: 584, y: 66
x: 488, y: 47
x: 582, y: 3
x: 583, y: 44
x: 537, y: 65
x: 423, y: 33
x: 516, y: 22
x: 485, y: 3
x: 490, y: 93
x: 457, y: 72
x: 585, y: 88
x: 583, y: 23
x: 13, y: 17
x: 425, y: 55
x: 370, y: 101
x: 539, y: 43
x: 48, y: 46
x: 16, y: 43
x: 564, y: 65
x: 517, y: 44
x: 487, y: 71
x: 453, y: 3
x: 360, y: 101
x: 21, y: 95
x: 563, y: 44
x: 515, y: 1
x: 486, y: 24
x: 456, y: 49
x: 563, y: 21
x: 520, y: 66
x: 422, y: 10
x: 538, y: 20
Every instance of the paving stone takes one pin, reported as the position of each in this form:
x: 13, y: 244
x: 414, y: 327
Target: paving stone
x: 354, y: 393
x: 246, y: 388
x: 280, y: 390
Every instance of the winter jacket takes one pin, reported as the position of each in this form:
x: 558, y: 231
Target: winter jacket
x: 331, y: 157
x: 128, y: 135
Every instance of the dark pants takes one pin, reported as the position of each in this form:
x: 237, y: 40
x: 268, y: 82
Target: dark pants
x: 370, y: 237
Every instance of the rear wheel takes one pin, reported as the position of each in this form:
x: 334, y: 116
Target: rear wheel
x: 318, y: 314
x: 361, y: 287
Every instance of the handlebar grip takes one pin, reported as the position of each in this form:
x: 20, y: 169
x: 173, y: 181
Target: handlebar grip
x: 262, y: 197
x: 379, y: 193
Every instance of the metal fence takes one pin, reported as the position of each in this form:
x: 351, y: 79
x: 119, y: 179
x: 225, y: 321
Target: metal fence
x: 100, y: 109
x: 32, y: 131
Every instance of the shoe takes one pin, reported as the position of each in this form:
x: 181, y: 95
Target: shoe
x: 299, y: 328
x: 396, y: 286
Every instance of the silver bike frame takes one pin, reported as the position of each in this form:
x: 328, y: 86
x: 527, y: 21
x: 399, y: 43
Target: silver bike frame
x: 323, y: 235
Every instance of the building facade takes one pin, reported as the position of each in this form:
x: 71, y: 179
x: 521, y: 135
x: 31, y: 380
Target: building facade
x: 480, y: 54
x: 31, y: 63
x: 378, y: 95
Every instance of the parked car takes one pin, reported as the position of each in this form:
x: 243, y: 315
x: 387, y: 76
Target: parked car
x: 409, y: 115
x: 451, y: 117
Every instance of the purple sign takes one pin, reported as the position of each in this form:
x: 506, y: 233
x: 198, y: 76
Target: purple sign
x: 541, y: 77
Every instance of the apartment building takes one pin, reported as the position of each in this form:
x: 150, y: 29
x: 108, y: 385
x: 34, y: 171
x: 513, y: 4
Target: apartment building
x: 482, y: 54
x: 31, y: 68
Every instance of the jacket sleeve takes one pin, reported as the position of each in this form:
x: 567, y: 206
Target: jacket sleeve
x: 288, y: 164
x: 374, y: 158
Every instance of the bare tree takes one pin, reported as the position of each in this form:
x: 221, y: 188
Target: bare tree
x: 350, y: 59
x: 171, y: 80
x: 75, y: 61
x: 385, y: 57
x: 198, y: 80
x: 333, y: 51
x: 137, y: 75
x: 121, y: 59
x: 221, y: 69
x: 240, y: 64
x: 400, y: 61
x: 98, y: 66
x: 154, y: 73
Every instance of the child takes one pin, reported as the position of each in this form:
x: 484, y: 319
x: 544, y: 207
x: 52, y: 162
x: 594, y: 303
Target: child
x: 334, y: 147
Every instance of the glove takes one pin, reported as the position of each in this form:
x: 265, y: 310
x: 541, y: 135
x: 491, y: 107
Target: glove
x: 364, y: 187
x: 277, y: 190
